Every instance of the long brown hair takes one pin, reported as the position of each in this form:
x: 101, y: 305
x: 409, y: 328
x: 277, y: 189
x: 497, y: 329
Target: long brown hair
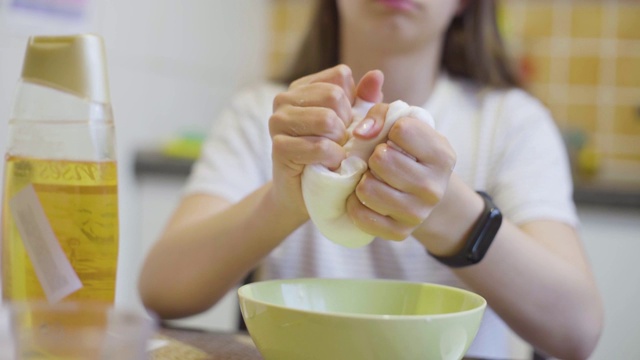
x: 473, y: 48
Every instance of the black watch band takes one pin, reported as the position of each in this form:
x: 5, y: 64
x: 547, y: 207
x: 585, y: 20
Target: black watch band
x: 480, y: 238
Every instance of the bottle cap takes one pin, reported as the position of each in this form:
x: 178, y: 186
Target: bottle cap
x: 74, y: 64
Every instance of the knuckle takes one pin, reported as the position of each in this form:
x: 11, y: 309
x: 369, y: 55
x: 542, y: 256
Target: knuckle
x: 445, y: 155
x: 343, y: 70
x: 451, y: 157
x: 273, y: 120
x: 325, y: 120
x: 279, y: 100
x: 334, y: 95
x: 296, y: 83
x: 364, y: 189
x: 367, y: 186
x: 323, y: 145
x: 431, y: 193
x: 330, y: 125
x: 414, y: 218
x: 398, y: 234
x: 276, y: 117
x: 401, y: 127
x: 379, y: 155
x: 279, y: 144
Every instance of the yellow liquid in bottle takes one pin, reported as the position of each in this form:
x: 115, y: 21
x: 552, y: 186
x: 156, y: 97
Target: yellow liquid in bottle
x: 80, y: 201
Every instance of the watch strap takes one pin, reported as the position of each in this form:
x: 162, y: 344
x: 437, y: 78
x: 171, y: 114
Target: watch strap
x: 480, y: 238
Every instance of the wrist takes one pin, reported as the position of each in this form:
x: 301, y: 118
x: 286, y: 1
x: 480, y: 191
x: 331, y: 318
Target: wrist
x: 290, y: 213
x: 445, y: 230
x: 479, y: 238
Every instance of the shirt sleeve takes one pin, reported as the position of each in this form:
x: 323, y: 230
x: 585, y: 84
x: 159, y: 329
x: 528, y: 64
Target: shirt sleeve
x: 531, y: 177
x: 235, y: 158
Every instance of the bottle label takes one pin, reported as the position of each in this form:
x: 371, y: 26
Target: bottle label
x: 52, y: 267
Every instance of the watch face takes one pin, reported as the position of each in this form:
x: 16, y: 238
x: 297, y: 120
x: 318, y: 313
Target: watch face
x: 486, y: 236
x: 480, y: 238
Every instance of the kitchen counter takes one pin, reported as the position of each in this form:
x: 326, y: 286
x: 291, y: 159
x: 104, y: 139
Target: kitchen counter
x: 154, y: 163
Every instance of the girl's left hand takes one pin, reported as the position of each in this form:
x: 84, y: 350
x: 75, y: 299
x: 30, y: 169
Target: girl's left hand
x: 407, y: 177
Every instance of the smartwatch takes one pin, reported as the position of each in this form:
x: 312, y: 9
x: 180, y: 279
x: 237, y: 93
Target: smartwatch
x: 480, y: 237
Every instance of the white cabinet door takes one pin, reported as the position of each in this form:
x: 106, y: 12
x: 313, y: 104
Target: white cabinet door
x: 159, y: 197
x: 612, y: 241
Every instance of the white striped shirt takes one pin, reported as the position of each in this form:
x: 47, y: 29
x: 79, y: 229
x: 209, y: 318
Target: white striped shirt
x: 506, y: 144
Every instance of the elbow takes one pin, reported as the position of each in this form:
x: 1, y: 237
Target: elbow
x: 582, y: 335
x: 171, y: 299
x: 591, y: 330
x: 158, y: 299
x: 155, y: 302
x: 164, y: 305
x: 591, y: 327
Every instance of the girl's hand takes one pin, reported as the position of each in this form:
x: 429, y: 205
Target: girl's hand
x: 407, y: 177
x: 308, y: 126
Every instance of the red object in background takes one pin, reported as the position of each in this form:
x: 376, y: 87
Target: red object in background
x: 526, y: 68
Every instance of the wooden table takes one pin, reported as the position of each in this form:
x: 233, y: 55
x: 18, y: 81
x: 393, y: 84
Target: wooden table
x: 207, y: 345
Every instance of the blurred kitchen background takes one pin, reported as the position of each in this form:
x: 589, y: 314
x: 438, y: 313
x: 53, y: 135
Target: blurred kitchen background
x: 174, y: 64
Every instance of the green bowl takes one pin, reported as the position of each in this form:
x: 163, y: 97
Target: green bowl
x: 332, y: 319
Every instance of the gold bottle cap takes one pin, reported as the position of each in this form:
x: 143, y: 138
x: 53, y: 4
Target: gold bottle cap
x: 74, y: 64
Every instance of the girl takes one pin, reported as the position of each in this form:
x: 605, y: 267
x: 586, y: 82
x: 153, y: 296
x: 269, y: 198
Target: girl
x: 243, y: 208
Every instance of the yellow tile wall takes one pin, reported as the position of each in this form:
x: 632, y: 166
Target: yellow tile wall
x: 582, y: 60
x: 628, y: 70
x: 586, y: 21
x: 628, y: 15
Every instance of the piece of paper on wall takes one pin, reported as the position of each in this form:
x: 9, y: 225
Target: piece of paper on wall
x: 46, y: 16
x: 71, y: 9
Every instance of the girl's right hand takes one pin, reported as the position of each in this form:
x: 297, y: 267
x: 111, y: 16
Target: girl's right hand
x: 309, y: 126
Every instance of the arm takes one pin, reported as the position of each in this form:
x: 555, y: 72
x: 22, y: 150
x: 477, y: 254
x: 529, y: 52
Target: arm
x: 210, y: 244
x: 535, y: 276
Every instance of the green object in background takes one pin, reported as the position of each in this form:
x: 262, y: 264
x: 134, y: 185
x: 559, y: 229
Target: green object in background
x: 584, y: 156
x: 588, y: 161
x: 359, y: 319
x: 187, y: 146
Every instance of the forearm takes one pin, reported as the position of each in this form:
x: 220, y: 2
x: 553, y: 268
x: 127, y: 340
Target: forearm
x: 535, y: 276
x: 548, y: 300
x: 196, y: 262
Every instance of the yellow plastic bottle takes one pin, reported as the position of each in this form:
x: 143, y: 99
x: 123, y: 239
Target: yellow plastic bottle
x: 60, y: 197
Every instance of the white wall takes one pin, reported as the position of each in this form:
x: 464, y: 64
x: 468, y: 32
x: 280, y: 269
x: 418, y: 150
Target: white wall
x: 612, y: 241
x: 172, y: 64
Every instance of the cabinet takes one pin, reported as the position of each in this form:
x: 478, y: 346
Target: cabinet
x: 159, y: 196
x: 611, y: 238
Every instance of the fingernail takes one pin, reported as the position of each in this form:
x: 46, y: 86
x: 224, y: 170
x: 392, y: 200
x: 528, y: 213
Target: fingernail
x: 365, y: 126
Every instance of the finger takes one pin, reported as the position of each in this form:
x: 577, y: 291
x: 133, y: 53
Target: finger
x: 371, y: 126
x: 317, y: 95
x: 423, y: 142
x: 308, y: 121
x: 402, y: 172
x: 339, y: 75
x: 369, y: 88
x: 386, y: 200
x: 294, y: 151
x: 374, y: 223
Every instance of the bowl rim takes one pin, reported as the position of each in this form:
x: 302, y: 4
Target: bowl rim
x: 382, y: 317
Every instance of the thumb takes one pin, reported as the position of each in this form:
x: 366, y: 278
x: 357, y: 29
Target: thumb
x: 370, y: 86
x: 372, y: 126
